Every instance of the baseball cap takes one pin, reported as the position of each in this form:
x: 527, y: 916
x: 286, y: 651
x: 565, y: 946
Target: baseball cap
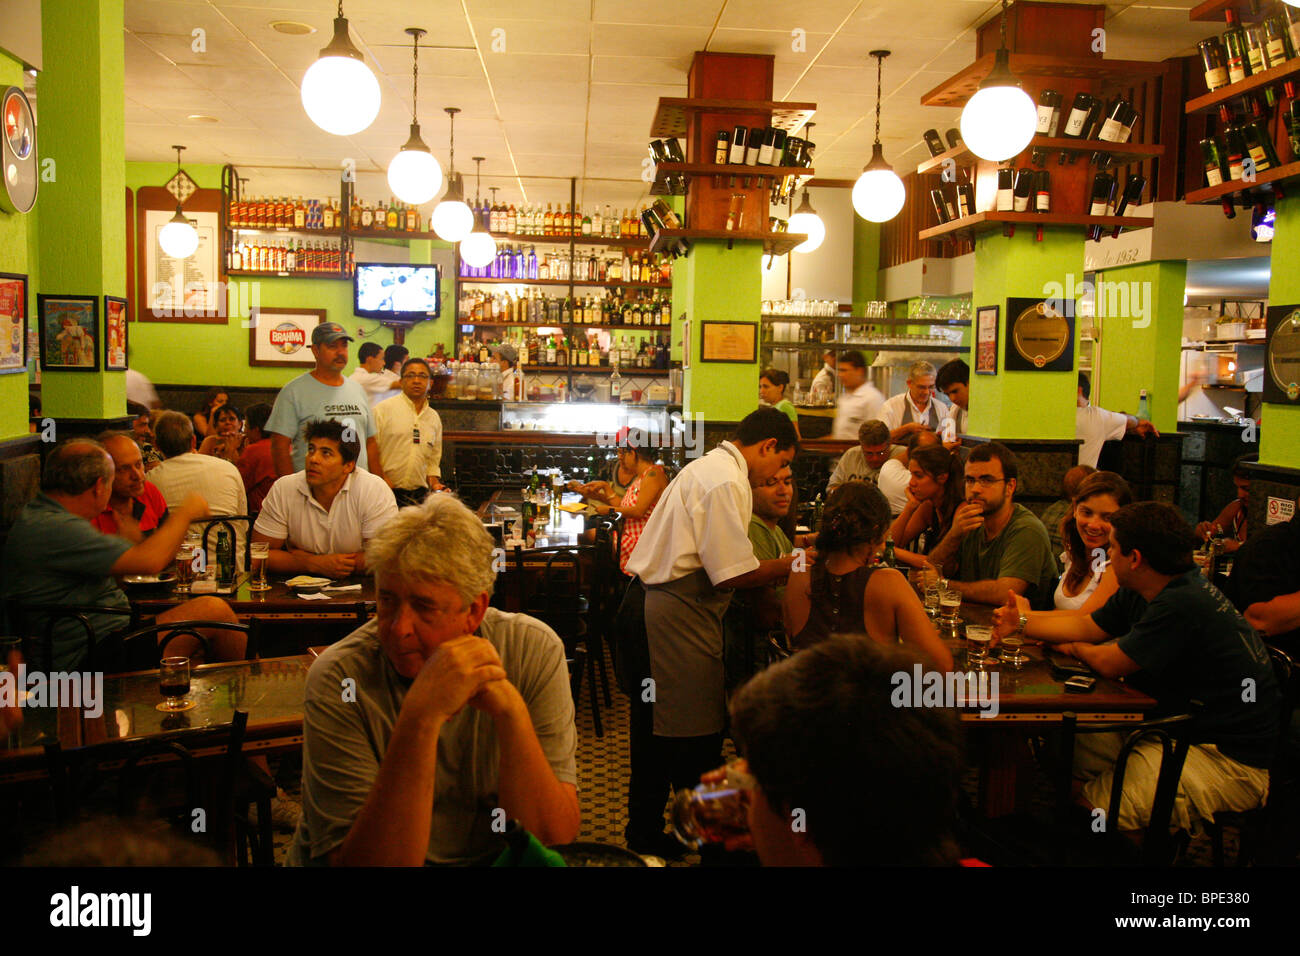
x: 507, y: 352
x: 328, y: 332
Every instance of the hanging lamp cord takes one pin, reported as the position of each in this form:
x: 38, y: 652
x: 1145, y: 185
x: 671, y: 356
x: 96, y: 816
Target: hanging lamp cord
x: 1003, y: 27
x: 880, y: 62
x: 415, y: 76
x: 340, y: 9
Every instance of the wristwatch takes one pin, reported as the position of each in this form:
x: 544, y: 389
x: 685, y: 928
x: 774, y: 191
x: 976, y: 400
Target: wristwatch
x: 1020, y: 627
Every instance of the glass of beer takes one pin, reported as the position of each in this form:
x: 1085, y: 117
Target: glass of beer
x: 713, y: 812
x: 978, y: 638
x: 184, y: 567
x: 950, y: 604
x: 1013, y: 651
x: 174, y: 681
x: 259, y: 554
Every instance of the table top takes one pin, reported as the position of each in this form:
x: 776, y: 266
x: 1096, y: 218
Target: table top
x: 280, y: 599
x: 270, y: 690
x: 563, y: 530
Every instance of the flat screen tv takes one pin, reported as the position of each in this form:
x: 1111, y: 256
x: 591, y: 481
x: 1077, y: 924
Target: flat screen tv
x: 396, y: 293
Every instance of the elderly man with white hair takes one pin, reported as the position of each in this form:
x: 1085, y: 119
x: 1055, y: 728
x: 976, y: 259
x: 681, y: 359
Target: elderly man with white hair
x: 916, y: 408
x: 429, y: 727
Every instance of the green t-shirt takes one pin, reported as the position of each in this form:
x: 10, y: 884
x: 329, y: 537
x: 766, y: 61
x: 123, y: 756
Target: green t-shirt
x: 786, y: 407
x: 769, y: 543
x: 1022, y: 551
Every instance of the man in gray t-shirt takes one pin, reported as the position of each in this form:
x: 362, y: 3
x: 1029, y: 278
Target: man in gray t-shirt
x: 427, y: 729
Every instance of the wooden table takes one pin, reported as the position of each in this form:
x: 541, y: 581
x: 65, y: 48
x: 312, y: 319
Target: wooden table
x: 271, y: 691
x: 1029, y: 697
x: 281, y: 603
x: 563, y: 530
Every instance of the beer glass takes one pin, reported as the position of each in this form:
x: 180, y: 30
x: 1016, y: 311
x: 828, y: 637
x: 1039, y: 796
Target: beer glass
x: 260, y: 554
x: 932, y: 600
x: 950, y: 603
x: 713, y: 812
x: 978, y: 637
x: 174, y: 682
x: 184, y: 567
x: 1013, y: 651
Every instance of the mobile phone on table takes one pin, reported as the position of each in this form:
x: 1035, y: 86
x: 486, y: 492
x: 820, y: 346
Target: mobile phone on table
x: 1080, y: 684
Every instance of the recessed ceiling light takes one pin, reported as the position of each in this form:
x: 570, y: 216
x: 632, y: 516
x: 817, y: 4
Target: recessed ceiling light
x: 202, y: 118
x: 293, y: 28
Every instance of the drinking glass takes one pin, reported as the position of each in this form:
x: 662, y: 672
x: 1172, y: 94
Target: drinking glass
x: 174, y: 682
x: 978, y: 637
x: 713, y: 812
x: 932, y: 600
x: 950, y: 602
x: 1013, y: 652
x: 184, y: 567
x: 260, y: 554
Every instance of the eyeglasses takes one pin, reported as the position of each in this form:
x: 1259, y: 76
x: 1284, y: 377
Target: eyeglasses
x: 984, y: 481
x: 415, y: 376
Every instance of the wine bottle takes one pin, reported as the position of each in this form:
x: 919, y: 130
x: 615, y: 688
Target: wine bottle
x: 933, y: 142
x: 766, y: 145
x: 1234, y: 45
x: 953, y: 137
x: 1043, y: 192
x: 738, y: 138
x: 753, y: 145
x: 1103, y: 188
x: 1290, y: 21
x: 1024, y: 190
x: 966, y: 199
x: 1214, y: 160
x: 1259, y: 145
x: 1214, y: 60
x: 779, y: 137
x: 1236, y: 148
x: 1255, y: 48
x: 1113, y: 129
x: 1291, y: 118
x: 723, y: 148
x: 1006, y: 191
x: 1131, y: 196
x: 1049, y: 113
x: 940, y: 205
x: 1076, y: 124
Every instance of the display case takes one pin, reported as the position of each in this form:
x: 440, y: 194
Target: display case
x: 657, y: 422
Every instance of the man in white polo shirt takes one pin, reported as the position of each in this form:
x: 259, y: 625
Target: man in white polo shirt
x: 409, y: 433
x: 914, y: 409
x: 692, y: 552
x: 318, y: 520
x: 1094, y: 426
x: 860, y: 401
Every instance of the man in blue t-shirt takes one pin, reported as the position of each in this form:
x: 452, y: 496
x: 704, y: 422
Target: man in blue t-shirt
x: 321, y: 393
x: 1183, y: 641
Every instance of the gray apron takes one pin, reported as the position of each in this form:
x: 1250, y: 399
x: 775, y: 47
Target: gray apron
x: 931, y: 420
x: 683, y: 622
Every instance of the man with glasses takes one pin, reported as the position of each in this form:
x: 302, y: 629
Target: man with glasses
x: 409, y: 433
x: 994, y: 545
x: 915, y: 409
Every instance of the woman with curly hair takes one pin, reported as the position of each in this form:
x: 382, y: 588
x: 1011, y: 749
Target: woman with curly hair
x: 845, y: 593
x: 227, y: 438
x: 1088, y: 581
x: 204, y: 425
x: 933, y: 494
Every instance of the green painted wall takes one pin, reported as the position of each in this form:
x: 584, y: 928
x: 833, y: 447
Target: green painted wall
x: 218, y: 354
x: 1141, y: 346
x: 14, y: 257
x: 727, y: 285
x: 81, y: 114
x: 1023, y: 404
x: 866, y: 263
x: 1279, y: 434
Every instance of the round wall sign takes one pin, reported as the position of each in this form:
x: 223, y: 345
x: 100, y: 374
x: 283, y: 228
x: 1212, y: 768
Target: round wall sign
x: 1041, y: 335
x: 1284, y: 355
x: 20, y: 169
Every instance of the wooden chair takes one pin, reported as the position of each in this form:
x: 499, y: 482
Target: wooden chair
x: 141, y: 649
x: 35, y: 624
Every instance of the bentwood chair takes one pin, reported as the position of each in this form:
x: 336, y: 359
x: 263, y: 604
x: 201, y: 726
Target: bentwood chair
x: 143, y: 648
x: 76, y: 774
x: 1157, y: 843
x: 1271, y: 834
x: 35, y: 624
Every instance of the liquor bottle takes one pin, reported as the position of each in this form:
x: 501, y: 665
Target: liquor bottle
x: 1259, y: 145
x: 381, y: 215
x: 412, y: 219
x: 511, y: 219
x: 1006, y: 191
x: 1144, y: 409
x: 934, y: 143
x: 611, y: 223
x: 548, y: 222
x: 1214, y: 61
x: 329, y: 216
x: 722, y: 148
x: 586, y: 225
x: 1214, y: 161
x: 1291, y: 118
x: 1024, y: 190
x: 1043, y: 192
x: 299, y: 214
x: 1234, y: 45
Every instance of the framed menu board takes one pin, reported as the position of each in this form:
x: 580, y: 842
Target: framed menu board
x: 1282, y: 355
x: 13, y: 323
x: 1040, y: 335
x: 735, y: 342
x: 179, y: 290
x: 986, y: 340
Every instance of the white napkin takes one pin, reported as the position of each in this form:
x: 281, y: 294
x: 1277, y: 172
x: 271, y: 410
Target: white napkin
x: 342, y: 587
x: 314, y: 597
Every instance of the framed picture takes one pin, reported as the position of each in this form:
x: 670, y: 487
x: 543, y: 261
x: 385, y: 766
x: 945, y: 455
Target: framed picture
x: 189, y: 290
x: 1040, y: 335
x: 986, y: 340
x: 1282, y: 355
x: 115, y: 312
x: 69, y: 331
x: 729, y: 342
x: 282, y: 337
x: 13, y: 323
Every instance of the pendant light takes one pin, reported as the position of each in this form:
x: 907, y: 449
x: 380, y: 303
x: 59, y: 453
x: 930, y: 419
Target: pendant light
x: 998, y: 122
x: 339, y: 92
x: 478, y: 248
x: 178, y: 237
x: 805, y: 220
x: 451, y: 219
x: 414, y: 175
x: 878, y: 194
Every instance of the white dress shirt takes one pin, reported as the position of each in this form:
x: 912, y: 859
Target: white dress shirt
x: 1095, y: 426
x: 823, y: 384
x: 860, y: 405
x: 290, y: 513
x: 894, y: 412
x: 701, y: 521
x: 378, y: 386
x: 893, y: 481
x: 221, y: 486
x: 408, y: 463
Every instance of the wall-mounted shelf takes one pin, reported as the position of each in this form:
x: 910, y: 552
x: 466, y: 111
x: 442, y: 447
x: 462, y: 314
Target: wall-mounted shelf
x: 628, y: 371
x: 476, y: 280
x: 1270, y: 77
x: 1211, y: 11
x: 991, y: 221
x: 1241, y: 191
x: 957, y: 89
x: 774, y: 243
x: 572, y: 326
x: 263, y: 274
x: 672, y: 116
x: 624, y: 241
x: 762, y: 175
x: 1119, y: 154
x: 389, y: 234
x: 865, y: 347
x: 285, y: 230
x: 858, y: 320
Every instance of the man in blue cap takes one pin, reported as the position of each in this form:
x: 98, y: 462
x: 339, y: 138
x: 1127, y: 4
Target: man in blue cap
x: 321, y: 393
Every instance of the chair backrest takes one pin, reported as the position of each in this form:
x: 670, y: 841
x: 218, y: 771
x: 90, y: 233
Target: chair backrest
x: 225, y: 521
x: 143, y: 649
x: 1288, y: 683
x: 35, y: 624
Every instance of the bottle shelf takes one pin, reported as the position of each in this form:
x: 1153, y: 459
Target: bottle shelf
x: 622, y: 241
x: 1212, y: 11
x: 1203, y: 104
x: 1264, y: 185
x: 859, y: 320
x: 866, y: 347
x: 762, y: 174
x: 262, y: 274
x: 575, y: 326
x: 285, y: 230
x: 774, y: 243
x: 960, y: 87
x: 1119, y: 154
x: 473, y: 280
x: 984, y: 222
x: 673, y: 114
x: 628, y: 372
x: 390, y: 234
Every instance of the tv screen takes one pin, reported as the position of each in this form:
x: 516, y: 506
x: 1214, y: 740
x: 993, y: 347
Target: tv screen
x: 383, y: 290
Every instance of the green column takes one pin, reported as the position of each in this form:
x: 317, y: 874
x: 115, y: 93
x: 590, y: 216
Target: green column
x: 1025, y: 405
x: 82, y: 226
x: 717, y: 283
x: 1279, y: 433
x: 866, y: 263
x: 14, y: 258
x: 1140, y: 312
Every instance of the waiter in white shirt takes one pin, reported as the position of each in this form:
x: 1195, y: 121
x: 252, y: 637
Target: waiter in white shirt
x: 512, y: 380
x: 914, y: 409
x: 860, y: 401
x: 823, y: 383
x: 1095, y: 426
x: 371, y: 375
x: 694, y: 549
x: 409, y: 433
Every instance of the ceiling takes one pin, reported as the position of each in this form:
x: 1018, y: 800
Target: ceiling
x: 571, y: 94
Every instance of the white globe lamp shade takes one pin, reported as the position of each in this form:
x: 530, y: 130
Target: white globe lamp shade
x: 478, y: 249
x: 805, y: 221
x: 878, y: 195
x: 998, y: 122
x: 452, y: 220
x: 178, y: 238
x: 339, y: 92
x: 414, y: 175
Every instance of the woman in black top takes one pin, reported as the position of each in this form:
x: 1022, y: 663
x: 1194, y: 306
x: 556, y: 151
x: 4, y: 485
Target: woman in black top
x: 933, y: 494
